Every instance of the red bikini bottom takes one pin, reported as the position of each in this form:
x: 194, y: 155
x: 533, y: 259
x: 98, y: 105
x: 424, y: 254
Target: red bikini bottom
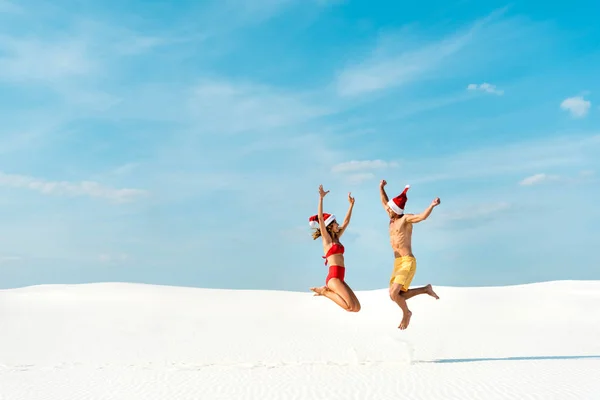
x: 335, y: 271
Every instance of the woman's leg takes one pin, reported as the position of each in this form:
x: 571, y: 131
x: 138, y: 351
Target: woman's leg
x: 341, y: 289
x: 333, y: 296
x: 354, y: 298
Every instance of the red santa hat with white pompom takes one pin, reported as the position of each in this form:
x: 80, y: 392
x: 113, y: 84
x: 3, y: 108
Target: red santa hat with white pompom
x: 314, y: 220
x: 397, y: 203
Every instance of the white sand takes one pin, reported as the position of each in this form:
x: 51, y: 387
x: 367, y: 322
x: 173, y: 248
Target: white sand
x: 127, y: 341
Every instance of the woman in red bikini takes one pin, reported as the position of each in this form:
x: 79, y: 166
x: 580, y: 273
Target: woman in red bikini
x: 328, y: 229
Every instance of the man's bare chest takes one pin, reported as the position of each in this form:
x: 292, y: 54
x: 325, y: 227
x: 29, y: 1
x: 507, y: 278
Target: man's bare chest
x: 399, y: 229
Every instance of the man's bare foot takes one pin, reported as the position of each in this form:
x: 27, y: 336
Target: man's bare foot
x: 319, y: 291
x: 431, y: 292
x: 405, y: 320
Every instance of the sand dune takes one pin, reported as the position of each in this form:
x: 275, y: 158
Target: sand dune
x: 130, y: 341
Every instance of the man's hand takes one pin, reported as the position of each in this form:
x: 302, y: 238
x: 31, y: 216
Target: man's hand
x: 350, y: 198
x: 322, y: 193
x: 382, y: 184
x: 435, y: 202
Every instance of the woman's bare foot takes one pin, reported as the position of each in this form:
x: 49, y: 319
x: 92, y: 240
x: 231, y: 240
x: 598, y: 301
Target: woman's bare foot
x: 405, y: 320
x: 431, y: 292
x: 320, y: 291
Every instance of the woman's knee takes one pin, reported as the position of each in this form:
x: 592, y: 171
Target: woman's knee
x: 352, y: 302
x: 353, y: 305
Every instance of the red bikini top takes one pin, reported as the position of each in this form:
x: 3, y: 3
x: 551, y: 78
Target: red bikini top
x: 337, y: 248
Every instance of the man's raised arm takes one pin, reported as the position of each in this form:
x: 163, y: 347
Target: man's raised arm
x: 383, y: 195
x: 414, y: 218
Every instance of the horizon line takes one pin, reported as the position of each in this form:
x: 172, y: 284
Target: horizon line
x: 157, y: 285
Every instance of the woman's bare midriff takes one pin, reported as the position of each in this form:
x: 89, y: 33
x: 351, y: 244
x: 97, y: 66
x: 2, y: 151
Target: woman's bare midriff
x: 335, y: 259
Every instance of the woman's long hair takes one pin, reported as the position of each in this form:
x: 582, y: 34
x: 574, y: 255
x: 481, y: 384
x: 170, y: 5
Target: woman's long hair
x: 317, y: 233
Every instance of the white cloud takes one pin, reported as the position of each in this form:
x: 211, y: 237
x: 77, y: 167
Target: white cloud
x: 537, y: 179
x: 40, y: 60
x: 357, y: 166
x: 475, y: 212
x: 62, y: 188
x: 525, y: 157
x: 388, y: 67
x: 577, y: 106
x: 485, y: 87
x: 75, y: 63
x: 379, y: 74
x: 582, y: 177
x: 230, y: 107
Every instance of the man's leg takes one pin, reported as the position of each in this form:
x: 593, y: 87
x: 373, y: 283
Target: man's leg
x: 397, y: 296
x: 402, y: 276
x: 422, y: 290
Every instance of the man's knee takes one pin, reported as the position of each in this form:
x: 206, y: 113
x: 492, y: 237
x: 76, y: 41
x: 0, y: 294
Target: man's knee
x: 395, y: 295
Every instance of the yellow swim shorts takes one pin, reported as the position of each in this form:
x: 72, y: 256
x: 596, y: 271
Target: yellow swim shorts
x: 404, y: 271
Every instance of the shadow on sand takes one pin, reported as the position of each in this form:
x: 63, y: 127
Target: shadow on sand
x: 532, y: 358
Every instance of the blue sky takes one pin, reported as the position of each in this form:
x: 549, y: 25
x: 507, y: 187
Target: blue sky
x: 183, y: 143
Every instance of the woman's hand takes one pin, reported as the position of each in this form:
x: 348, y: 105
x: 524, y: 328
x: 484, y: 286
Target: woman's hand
x: 350, y: 198
x: 322, y: 193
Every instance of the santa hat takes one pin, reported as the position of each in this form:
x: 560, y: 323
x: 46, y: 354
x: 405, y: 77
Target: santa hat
x: 397, y: 203
x: 314, y: 220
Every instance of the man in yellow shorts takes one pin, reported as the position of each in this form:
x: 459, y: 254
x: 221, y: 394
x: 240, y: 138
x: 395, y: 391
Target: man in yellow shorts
x: 405, y: 263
